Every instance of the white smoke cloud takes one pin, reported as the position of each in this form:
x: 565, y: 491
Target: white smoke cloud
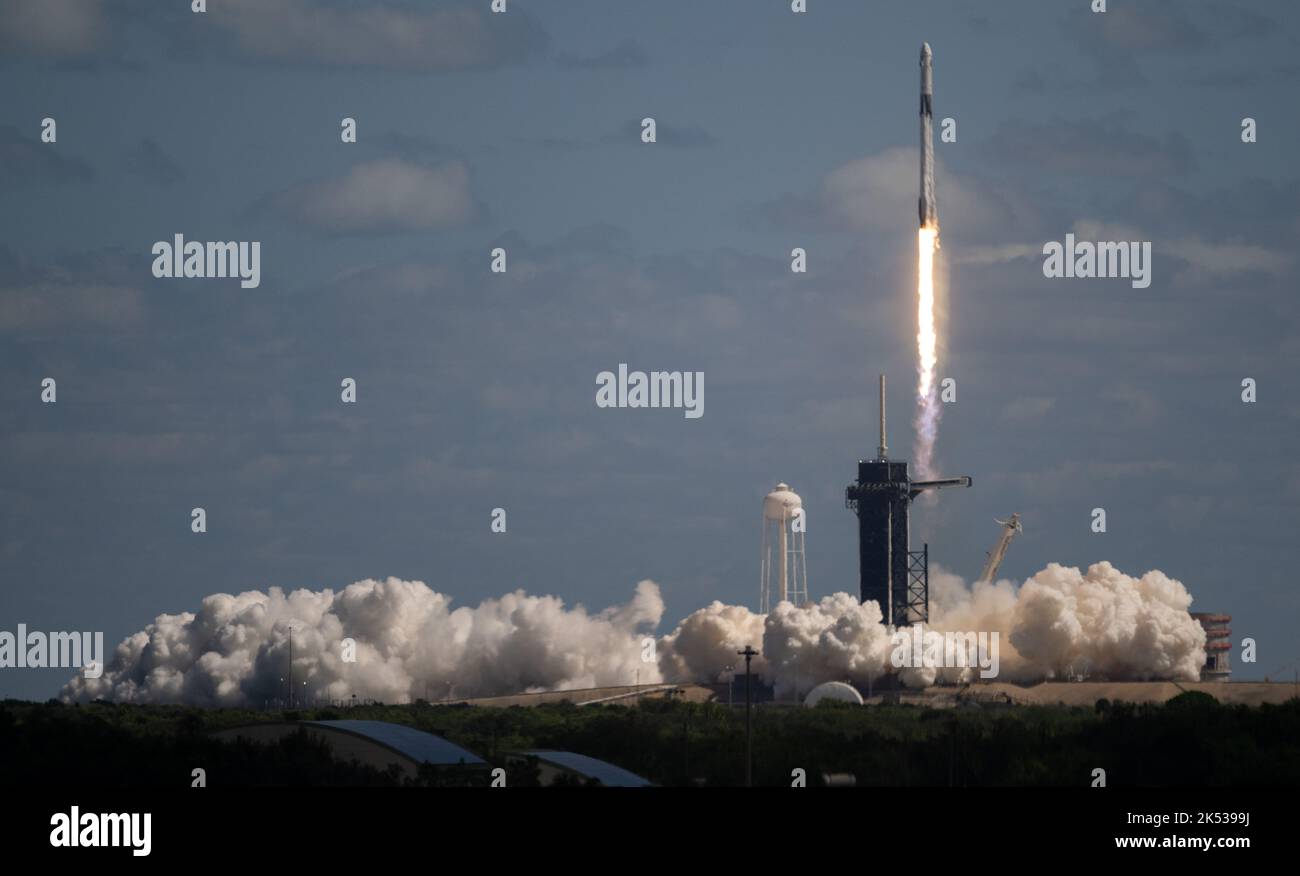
x: 708, y: 641
x: 234, y: 650
x: 833, y: 639
x: 1106, y: 624
x: 1060, y: 623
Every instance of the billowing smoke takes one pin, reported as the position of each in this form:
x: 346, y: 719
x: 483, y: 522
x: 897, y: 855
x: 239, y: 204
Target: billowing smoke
x: 708, y: 641
x: 1061, y: 623
x: 410, y: 642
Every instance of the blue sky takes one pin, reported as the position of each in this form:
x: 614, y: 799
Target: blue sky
x: 476, y: 390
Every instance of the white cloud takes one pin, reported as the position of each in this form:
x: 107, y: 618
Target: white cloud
x: 1226, y: 259
x: 1028, y: 408
x: 879, y: 193
x: 1205, y: 257
x: 429, y: 37
x: 55, y: 304
x: 384, y: 195
x: 55, y: 27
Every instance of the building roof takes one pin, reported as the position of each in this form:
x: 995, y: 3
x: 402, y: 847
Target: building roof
x: 415, y: 744
x: 606, y: 773
x: 833, y: 690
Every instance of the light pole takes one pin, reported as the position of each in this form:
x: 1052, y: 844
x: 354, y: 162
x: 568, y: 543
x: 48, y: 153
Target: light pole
x: 749, y: 654
x: 731, y: 683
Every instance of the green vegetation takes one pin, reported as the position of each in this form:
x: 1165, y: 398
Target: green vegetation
x: 1191, y: 740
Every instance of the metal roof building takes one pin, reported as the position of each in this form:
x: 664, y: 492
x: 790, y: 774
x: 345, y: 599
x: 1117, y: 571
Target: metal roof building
x: 415, y: 744
x: 379, y: 744
x: 557, y: 763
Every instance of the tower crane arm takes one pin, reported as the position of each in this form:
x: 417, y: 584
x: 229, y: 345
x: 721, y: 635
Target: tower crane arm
x: 1010, y: 527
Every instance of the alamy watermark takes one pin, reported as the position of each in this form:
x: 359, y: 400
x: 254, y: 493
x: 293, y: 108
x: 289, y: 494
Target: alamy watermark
x: 75, y: 829
x: 38, y: 650
x: 1128, y: 259
x: 916, y: 647
x: 657, y: 389
x: 233, y: 258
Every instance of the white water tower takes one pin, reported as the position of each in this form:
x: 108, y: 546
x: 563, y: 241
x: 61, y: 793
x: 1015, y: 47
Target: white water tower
x: 784, y: 574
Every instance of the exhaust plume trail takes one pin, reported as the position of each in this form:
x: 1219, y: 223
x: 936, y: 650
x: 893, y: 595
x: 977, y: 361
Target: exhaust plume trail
x: 928, y: 410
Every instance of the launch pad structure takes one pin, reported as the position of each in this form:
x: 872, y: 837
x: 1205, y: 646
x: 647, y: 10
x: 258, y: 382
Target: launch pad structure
x: 889, y: 571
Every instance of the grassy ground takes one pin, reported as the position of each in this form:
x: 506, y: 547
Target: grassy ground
x: 1190, y: 740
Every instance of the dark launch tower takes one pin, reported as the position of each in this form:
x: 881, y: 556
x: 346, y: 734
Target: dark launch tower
x: 889, y: 571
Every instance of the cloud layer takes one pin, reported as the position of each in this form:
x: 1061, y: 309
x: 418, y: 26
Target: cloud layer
x: 436, y: 37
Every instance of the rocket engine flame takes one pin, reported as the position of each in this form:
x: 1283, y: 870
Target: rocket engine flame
x: 928, y: 410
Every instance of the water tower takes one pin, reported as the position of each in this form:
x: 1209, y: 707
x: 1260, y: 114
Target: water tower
x: 784, y: 575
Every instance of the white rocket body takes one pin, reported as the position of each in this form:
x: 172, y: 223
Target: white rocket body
x: 927, y: 212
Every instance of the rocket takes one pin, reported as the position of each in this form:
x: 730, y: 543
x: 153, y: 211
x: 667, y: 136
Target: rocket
x: 925, y: 206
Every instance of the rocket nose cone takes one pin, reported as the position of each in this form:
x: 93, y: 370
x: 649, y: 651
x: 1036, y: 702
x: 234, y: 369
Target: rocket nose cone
x: 925, y: 52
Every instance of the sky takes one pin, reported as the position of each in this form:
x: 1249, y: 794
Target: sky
x: 476, y: 390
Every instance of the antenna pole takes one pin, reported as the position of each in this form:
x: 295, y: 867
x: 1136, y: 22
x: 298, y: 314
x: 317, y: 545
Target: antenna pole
x: 883, y: 449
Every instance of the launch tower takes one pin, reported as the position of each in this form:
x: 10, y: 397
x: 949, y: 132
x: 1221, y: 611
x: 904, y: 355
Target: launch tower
x: 889, y: 571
